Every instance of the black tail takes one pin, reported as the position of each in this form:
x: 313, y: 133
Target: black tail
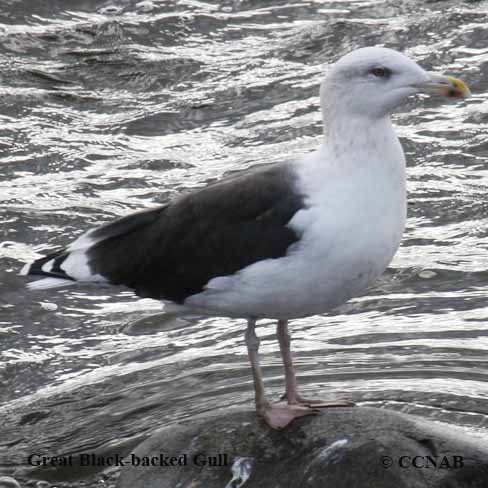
x: 55, y: 271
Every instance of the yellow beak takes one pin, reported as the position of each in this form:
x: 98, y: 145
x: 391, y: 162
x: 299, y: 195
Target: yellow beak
x: 446, y: 86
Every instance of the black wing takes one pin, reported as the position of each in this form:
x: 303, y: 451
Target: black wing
x: 173, y: 251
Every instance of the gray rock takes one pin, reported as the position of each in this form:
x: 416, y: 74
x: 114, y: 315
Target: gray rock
x: 355, y: 447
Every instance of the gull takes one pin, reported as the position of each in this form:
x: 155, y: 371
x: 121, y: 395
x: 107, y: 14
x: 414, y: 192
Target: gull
x: 280, y: 241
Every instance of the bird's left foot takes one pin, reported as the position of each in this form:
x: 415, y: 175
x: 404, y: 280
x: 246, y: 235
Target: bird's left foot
x: 317, y: 403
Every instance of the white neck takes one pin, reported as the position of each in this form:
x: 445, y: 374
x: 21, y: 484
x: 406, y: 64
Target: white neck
x: 357, y: 154
x: 346, y: 134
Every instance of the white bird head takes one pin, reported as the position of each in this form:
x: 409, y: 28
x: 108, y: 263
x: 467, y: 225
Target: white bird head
x: 373, y: 81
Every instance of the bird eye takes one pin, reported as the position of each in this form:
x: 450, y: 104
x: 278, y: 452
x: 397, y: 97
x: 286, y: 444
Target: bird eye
x: 381, y: 72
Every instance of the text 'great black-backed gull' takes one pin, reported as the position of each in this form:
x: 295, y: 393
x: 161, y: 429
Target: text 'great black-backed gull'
x: 282, y: 241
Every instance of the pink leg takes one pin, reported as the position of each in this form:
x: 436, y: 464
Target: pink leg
x: 275, y: 416
x: 291, y: 394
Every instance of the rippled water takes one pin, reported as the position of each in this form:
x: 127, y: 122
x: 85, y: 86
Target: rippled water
x: 110, y: 107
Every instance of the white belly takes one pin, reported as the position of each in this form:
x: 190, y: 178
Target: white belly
x: 308, y: 282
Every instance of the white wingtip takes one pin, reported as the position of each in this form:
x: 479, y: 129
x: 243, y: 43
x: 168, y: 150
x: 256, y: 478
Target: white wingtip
x: 25, y: 269
x: 47, y: 283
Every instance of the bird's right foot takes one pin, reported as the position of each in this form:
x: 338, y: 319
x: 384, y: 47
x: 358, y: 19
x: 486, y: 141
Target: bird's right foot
x: 279, y: 416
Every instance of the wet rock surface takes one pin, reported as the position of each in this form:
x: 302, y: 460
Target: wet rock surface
x: 342, y: 448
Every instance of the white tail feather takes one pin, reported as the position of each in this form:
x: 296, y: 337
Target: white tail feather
x: 47, y: 283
